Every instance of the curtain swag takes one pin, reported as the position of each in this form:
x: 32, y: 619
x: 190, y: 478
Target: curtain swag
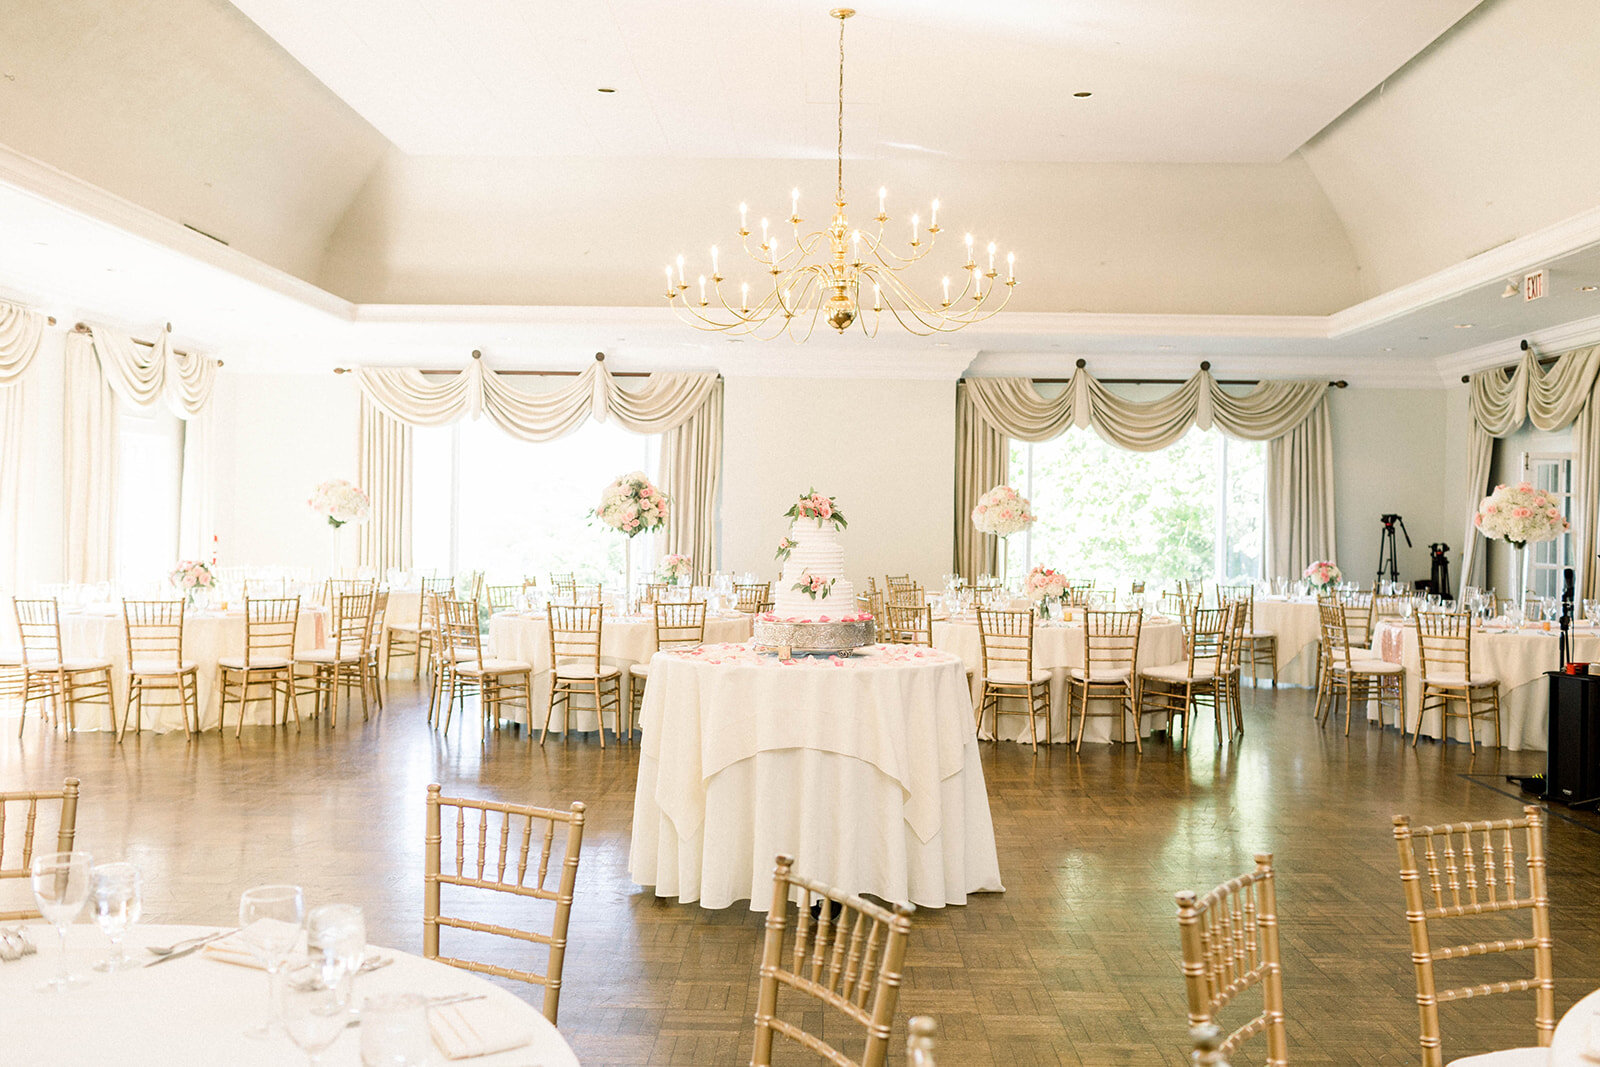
x: 20, y: 331
x: 143, y: 377
x: 668, y: 401
x: 1550, y: 399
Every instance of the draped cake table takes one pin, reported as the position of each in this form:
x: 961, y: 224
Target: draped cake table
x: 195, y: 1010
x: 1058, y: 647
x: 1576, y: 1042
x: 624, y: 641
x: 865, y: 769
x: 1298, y: 627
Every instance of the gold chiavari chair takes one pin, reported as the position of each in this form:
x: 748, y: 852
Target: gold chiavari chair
x: 1465, y: 883
x: 891, y: 582
x: 153, y: 632
x: 506, y: 870
x: 1178, y: 689
x: 46, y: 675
x: 502, y: 597
x: 1385, y: 606
x: 500, y: 684
x: 907, y: 594
x: 1136, y: 588
x: 270, y: 626
x: 1353, y: 672
x: 376, y: 623
x: 1229, y: 939
x: 1006, y: 643
x: 264, y: 588
x: 908, y: 624
x: 341, y: 665
x: 850, y: 958
x: 575, y: 668
x: 1260, y: 646
x: 921, y: 1031
x: 1109, y: 672
x: 414, y: 640
x: 20, y: 843
x: 592, y: 595
x: 1207, y: 1041
x: 1444, y: 654
x: 1359, y: 617
x: 334, y: 588
x: 13, y: 679
x: 1178, y: 604
x: 652, y: 593
x: 751, y: 596
x: 679, y: 624
x: 1233, y: 653
x: 563, y: 584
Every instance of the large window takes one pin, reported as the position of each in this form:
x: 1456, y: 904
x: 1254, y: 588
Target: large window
x: 1552, y: 473
x: 149, y: 480
x: 1194, y: 510
x: 486, y: 501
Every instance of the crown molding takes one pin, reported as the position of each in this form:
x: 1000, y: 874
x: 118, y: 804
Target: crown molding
x: 1552, y: 340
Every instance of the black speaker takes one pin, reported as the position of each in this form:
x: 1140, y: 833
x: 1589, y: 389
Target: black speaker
x: 1572, y: 770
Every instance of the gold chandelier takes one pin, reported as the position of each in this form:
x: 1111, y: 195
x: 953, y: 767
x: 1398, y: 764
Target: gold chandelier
x: 822, y: 274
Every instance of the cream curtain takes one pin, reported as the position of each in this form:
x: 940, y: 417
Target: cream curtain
x: 685, y: 408
x: 91, y: 465
x: 143, y: 376
x: 982, y: 460
x: 1550, y: 399
x: 691, y: 475
x: 20, y: 331
x: 1291, y: 414
x: 385, y: 461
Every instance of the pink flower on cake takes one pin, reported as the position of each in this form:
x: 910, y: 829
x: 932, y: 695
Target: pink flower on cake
x: 813, y: 505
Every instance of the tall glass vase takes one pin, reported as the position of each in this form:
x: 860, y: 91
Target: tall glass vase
x: 1519, y: 591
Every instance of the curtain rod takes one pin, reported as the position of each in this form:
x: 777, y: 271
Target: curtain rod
x: 1205, y: 365
x: 599, y: 357
x: 1544, y: 361
x: 84, y: 328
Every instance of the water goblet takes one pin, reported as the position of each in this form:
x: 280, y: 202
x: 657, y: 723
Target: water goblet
x: 394, y: 1031
x: 61, y: 888
x: 314, y: 1016
x: 339, y: 933
x: 1591, y: 611
x: 116, y: 902
x: 269, y: 926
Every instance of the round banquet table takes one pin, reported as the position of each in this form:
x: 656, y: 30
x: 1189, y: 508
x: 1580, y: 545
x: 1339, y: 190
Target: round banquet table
x: 1297, y: 626
x: 1518, y: 658
x: 1058, y: 647
x: 207, y: 637
x: 195, y: 1010
x: 624, y: 641
x: 1576, y: 1042
x: 864, y: 768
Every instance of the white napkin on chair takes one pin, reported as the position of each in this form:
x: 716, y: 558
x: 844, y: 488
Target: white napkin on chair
x: 475, y: 1028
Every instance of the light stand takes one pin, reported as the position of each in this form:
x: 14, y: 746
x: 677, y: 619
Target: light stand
x: 1387, y: 549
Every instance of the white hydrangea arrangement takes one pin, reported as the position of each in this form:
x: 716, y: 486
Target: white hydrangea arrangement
x: 340, y: 502
x: 632, y: 505
x: 1518, y: 514
x: 1002, y: 511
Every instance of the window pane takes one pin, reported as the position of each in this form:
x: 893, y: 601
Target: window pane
x: 149, y: 474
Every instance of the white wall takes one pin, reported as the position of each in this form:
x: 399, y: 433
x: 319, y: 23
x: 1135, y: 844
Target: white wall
x: 1390, y: 457
x: 885, y: 449
x: 278, y: 435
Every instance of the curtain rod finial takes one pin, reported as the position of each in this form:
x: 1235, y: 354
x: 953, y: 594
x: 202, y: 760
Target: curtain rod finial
x: 50, y: 320
x: 1082, y: 363
x: 169, y: 327
x: 476, y: 354
x: 1205, y: 364
x: 341, y: 370
x: 599, y: 357
x: 80, y: 327
x: 1465, y: 378
x: 1525, y: 345
x: 1340, y: 384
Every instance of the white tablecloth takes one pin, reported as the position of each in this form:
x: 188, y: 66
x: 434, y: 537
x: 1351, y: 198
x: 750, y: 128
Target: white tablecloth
x: 1058, y: 647
x: 1519, y: 659
x: 624, y: 641
x: 1298, y: 628
x: 207, y: 637
x: 1577, y: 1037
x: 865, y: 769
x: 195, y: 1010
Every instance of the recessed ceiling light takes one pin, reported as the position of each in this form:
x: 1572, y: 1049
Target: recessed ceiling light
x: 605, y: 89
x: 1587, y: 288
x: 1463, y: 325
x: 1422, y: 338
x: 1082, y: 94
x: 1165, y: 348
x: 1389, y: 349
x: 941, y: 344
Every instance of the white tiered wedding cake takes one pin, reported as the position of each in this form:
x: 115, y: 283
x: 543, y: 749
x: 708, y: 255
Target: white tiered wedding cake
x: 814, y: 607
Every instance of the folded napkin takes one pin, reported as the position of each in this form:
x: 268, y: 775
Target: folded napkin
x: 475, y: 1028
x: 236, y: 950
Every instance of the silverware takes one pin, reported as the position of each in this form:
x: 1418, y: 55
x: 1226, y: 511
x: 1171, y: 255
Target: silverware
x: 167, y: 950
x: 193, y: 948
x: 435, y: 1002
x: 314, y: 981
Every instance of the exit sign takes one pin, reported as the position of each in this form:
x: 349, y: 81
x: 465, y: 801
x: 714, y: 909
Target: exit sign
x: 1533, y: 285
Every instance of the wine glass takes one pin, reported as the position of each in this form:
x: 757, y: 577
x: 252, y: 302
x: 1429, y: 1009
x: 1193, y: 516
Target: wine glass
x: 314, y: 1015
x: 1591, y: 611
x: 61, y: 887
x: 116, y: 902
x: 269, y: 926
x: 339, y: 933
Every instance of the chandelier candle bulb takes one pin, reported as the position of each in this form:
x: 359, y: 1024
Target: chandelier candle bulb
x: 794, y: 205
x: 856, y: 240
x: 933, y: 219
x: 763, y: 233
x: 883, y: 194
x: 716, y: 277
x: 744, y: 297
x: 743, y: 228
x: 702, y: 290
x: 916, y: 228
x: 877, y: 304
x: 991, y: 258
x: 1011, y: 268
x: 969, y: 252
x: 947, y: 290
x: 670, y: 288
x: 681, y: 284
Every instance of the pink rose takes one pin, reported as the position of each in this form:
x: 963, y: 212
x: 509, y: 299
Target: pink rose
x: 1524, y: 487
x: 1521, y: 513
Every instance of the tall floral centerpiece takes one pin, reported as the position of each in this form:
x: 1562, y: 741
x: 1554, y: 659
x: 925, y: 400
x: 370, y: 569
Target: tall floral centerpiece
x: 1045, y: 587
x: 632, y: 505
x: 340, y: 502
x: 1520, y: 514
x: 674, y: 569
x: 192, y: 577
x: 1002, y: 511
x: 1322, y: 576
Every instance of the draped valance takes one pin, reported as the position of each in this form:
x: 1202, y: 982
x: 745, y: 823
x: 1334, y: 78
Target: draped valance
x: 144, y: 375
x: 664, y: 403
x: 1017, y: 409
x: 20, y: 331
x: 1562, y: 395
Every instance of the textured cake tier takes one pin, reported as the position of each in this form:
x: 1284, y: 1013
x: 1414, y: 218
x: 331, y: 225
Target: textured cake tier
x: 802, y: 637
x: 817, y: 551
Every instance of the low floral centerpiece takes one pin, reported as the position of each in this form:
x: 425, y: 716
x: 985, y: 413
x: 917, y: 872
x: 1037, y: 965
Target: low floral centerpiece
x: 192, y: 577
x: 340, y: 502
x: 1520, y: 515
x: 1045, y: 587
x: 674, y: 569
x: 1322, y: 575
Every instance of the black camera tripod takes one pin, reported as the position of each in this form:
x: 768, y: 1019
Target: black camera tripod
x: 1387, y: 549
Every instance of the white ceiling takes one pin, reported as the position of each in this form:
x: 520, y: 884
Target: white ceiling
x: 1173, y: 80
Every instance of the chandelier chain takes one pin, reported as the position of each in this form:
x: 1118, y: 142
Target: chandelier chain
x: 839, y: 151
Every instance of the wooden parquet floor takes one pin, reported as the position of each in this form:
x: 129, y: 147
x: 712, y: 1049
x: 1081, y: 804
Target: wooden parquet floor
x: 1076, y: 963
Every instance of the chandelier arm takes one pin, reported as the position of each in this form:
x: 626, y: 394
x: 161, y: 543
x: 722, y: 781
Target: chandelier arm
x: 909, y: 302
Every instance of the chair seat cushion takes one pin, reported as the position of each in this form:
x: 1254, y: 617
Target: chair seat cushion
x: 71, y: 666
x: 1510, y: 1057
x: 1103, y: 675
x: 328, y: 655
x: 585, y: 671
x: 156, y: 666
x: 1259, y: 635
x: 1016, y: 677
x: 639, y: 670
x: 1458, y: 681
x: 492, y: 666
x: 1179, y: 672
x: 1368, y: 666
x: 265, y: 663
x: 408, y: 628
